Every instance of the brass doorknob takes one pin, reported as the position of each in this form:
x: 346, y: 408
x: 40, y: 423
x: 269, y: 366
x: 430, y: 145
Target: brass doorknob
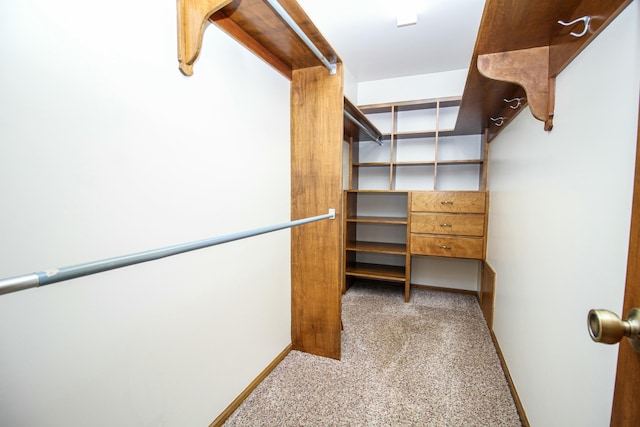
x: 607, y: 328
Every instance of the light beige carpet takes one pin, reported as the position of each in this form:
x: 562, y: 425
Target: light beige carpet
x: 429, y: 362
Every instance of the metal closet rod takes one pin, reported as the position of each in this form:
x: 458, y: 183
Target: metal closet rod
x: 295, y: 27
x: 376, y: 138
x: 48, y: 277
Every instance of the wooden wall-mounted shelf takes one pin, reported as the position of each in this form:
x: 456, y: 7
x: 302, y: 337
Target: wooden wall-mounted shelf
x: 255, y: 25
x: 353, y: 131
x: 513, y: 32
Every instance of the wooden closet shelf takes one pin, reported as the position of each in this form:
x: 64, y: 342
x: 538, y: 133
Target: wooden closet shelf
x: 423, y: 104
x: 372, y: 164
x: 417, y: 163
x: 522, y: 48
x: 376, y: 271
x: 397, y: 192
x: 257, y: 26
x: 378, y: 247
x: 379, y: 219
x: 461, y: 162
x: 422, y: 163
x: 422, y: 134
x: 419, y: 134
x: 354, y: 132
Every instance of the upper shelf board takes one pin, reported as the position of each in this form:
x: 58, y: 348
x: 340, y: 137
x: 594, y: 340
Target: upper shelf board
x: 257, y: 26
x: 355, y: 131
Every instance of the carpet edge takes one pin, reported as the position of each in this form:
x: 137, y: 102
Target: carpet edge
x: 252, y: 386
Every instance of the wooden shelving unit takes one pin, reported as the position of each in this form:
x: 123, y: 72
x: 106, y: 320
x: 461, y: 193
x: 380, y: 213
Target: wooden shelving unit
x: 399, y: 132
x: 418, y: 139
x: 357, y: 248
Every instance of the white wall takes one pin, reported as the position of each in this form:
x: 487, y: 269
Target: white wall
x: 106, y: 149
x: 558, y: 230
x: 423, y: 86
x: 350, y: 85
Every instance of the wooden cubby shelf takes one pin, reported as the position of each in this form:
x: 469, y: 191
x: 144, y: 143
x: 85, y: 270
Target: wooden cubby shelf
x: 413, y: 163
x: 372, y: 164
x: 461, y: 162
x: 417, y: 134
x: 420, y: 134
x: 376, y: 271
x: 379, y: 219
x: 378, y: 247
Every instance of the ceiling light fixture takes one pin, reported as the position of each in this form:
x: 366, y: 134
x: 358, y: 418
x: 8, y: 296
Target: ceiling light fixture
x: 404, y: 19
x: 406, y: 12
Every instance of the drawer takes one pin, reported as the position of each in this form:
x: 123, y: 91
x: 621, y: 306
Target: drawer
x: 456, y: 247
x: 448, y: 201
x: 460, y: 224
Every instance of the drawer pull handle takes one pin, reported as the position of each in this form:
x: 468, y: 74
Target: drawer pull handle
x: 445, y: 247
x: 446, y: 225
x: 446, y: 202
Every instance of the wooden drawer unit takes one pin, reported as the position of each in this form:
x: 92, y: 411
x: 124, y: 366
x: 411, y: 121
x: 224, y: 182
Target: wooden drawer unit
x: 433, y: 223
x: 449, y: 201
x: 448, y: 223
x: 456, y: 247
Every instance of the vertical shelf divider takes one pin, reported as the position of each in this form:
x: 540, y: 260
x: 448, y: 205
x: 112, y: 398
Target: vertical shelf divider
x: 435, y: 166
x: 407, y: 262
x: 393, y: 155
x: 485, y: 160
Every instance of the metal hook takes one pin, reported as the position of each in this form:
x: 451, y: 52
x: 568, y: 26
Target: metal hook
x: 585, y: 19
x: 497, y: 121
x: 514, y: 107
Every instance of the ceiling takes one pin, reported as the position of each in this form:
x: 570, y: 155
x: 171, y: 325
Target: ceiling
x: 372, y: 47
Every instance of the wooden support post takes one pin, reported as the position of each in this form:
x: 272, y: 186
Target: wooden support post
x: 193, y: 18
x: 317, y: 104
x: 528, y: 68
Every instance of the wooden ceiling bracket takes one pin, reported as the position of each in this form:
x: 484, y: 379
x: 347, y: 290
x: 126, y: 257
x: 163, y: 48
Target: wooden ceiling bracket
x: 528, y: 68
x: 193, y: 18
